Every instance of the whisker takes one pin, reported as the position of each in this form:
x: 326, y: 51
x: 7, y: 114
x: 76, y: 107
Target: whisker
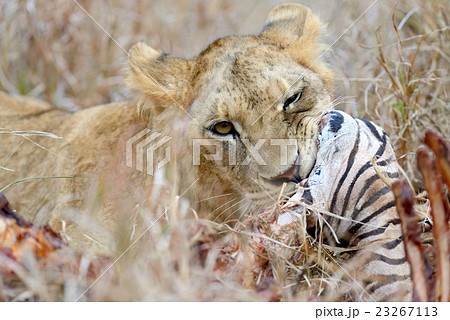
x: 228, y: 209
x: 240, y: 208
x: 223, y: 205
x: 221, y: 195
x: 249, y: 209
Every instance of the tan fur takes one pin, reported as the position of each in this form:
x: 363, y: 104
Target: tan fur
x: 241, y: 79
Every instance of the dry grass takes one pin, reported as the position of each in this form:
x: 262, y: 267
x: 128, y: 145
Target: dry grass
x: 431, y: 283
x: 395, y: 76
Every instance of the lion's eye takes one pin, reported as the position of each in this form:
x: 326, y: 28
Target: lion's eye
x: 292, y: 99
x: 223, y: 128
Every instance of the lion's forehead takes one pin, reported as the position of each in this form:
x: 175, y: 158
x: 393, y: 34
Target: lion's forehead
x: 239, y: 57
x: 250, y: 86
x: 247, y: 65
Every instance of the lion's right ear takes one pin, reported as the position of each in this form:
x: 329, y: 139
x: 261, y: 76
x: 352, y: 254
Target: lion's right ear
x: 296, y: 30
x: 287, y: 23
x: 160, y: 78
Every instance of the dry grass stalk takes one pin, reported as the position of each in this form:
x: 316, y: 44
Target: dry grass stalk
x: 415, y: 250
x: 441, y: 150
x: 440, y: 211
x: 428, y: 287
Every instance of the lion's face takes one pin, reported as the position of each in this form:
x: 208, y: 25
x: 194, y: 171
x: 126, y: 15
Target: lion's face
x: 264, y: 104
x: 252, y: 103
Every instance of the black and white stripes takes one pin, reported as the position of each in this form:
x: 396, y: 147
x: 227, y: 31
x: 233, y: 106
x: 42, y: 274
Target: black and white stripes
x: 346, y: 182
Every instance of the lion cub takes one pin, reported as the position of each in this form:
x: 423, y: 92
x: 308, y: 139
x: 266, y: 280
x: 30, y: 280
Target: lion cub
x: 256, y: 98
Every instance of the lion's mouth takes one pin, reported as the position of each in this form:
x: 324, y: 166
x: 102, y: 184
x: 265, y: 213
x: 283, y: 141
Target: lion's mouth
x: 304, y: 162
x: 290, y: 175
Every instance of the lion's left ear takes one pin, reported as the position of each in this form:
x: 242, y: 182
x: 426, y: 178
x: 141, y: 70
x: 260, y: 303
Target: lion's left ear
x: 160, y: 78
x: 295, y: 29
